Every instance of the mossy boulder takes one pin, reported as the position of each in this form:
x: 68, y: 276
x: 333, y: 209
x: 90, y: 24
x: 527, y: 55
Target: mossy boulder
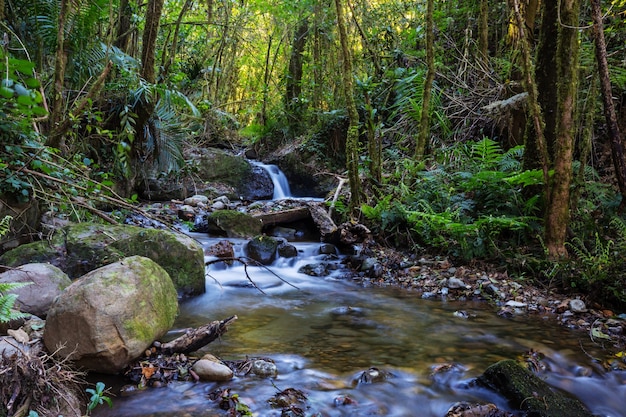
x: 80, y: 248
x: 526, y: 391
x: 233, y: 223
x: 263, y: 249
x: 108, y: 317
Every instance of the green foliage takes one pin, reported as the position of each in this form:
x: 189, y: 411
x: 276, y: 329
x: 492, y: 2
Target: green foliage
x: 7, y: 301
x: 466, y: 207
x: 97, y: 397
x: 597, y: 264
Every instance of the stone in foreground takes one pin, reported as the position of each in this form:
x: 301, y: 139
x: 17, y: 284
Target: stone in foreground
x: 108, y: 317
x: 526, y: 391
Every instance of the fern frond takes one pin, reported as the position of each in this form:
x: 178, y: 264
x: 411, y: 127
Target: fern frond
x: 5, y: 223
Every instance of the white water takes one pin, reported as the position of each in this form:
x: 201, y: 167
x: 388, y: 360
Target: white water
x: 281, y: 185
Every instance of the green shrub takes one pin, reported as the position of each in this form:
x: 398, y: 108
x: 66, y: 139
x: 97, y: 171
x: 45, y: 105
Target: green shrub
x: 466, y: 206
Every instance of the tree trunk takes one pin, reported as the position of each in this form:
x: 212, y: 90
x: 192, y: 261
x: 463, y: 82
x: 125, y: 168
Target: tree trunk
x: 172, y: 54
x: 547, y: 80
x: 143, y: 127
x: 352, y: 140
x: 617, y: 148
x: 57, y: 138
x: 530, y: 85
x: 424, y: 132
x: 557, y: 213
x: 123, y: 27
x: 483, y: 32
x: 150, y: 33
x: 293, y: 100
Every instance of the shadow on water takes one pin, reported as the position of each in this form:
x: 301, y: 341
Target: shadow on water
x: 324, y: 334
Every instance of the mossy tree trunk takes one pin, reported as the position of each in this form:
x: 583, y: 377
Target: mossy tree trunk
x: 123, y: 26
x: 56, y: 138
x: 424, y: 131
x: 483, y: 32
x: 615, y: 136
x: 144, y: 127
x: 557, y: 210
x: 293, y: 101
x: 352, y: 140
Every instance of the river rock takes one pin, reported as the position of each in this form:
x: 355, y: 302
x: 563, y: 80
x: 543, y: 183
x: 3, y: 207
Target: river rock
x: 265, y: 369
x: 80, y: 248
x: 455, y: 283
x: 209, y: 370
x: 287, y: 250
x: 233, y: 223
x: 577, y: 306
x: 108, y: 317
x: 46, y: 283
x: 528, y: 392
x: 263, y: 249
x: 197, y: 200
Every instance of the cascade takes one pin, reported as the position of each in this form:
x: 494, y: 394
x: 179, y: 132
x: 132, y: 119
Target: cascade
x: 281, y: 185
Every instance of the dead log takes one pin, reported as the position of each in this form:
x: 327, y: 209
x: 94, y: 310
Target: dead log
x: 283, y: 216
x: 326, y: 225
x: 196, y: 338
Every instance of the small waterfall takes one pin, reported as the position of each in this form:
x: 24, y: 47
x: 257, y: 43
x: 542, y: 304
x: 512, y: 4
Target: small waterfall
x: 281, y: 185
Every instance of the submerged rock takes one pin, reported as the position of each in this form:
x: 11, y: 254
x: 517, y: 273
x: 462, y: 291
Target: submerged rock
x: 526, y: 391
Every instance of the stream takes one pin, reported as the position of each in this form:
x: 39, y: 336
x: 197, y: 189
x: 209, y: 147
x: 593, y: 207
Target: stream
x: 325, y: 333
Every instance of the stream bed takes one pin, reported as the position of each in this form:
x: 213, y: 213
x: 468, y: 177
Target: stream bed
x: 323, y: 333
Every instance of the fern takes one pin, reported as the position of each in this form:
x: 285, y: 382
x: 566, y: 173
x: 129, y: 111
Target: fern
x: 7, y: 301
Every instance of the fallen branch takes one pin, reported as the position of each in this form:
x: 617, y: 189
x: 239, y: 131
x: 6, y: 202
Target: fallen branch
x: 196, y: 338
x: 246, y: 261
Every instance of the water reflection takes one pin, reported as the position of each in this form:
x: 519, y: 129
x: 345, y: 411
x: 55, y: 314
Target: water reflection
x: 324, y: 334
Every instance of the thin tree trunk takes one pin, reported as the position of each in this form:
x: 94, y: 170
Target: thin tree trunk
x: 374, y: 57
x: 483, y: 32
x: 617, y: 148
x: 293, y: 100
x: 535, y: 110
x: 144, y: 109
x: 123, y: 27
x: 424, y: 132
x: 174, y: 45
x: 57, y: 138
x: 557, y: 214
x: 352, y: 140
x: 266, y: 83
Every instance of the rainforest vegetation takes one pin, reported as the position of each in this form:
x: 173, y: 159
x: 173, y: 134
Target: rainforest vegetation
x: 481, y: 130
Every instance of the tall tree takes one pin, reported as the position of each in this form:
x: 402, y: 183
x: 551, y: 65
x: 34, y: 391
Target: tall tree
x: 123, y: 26
x: 293, y: 95
x: 615, y: 136
x: 144, y: 128
x: 557, y: 210
x: 424, y: 131
x: 352, y: 140
x: 57, y: 138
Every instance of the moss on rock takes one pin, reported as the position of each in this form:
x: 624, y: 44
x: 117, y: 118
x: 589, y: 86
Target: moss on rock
x: 80, y: 248
x: 528, y: 392
x: 234, y: 223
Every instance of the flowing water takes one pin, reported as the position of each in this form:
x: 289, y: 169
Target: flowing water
x: 323, y: 334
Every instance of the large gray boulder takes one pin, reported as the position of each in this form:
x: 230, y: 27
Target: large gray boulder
x: 79, y: 248
x: 46, y: 283
x: 108, y: 317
